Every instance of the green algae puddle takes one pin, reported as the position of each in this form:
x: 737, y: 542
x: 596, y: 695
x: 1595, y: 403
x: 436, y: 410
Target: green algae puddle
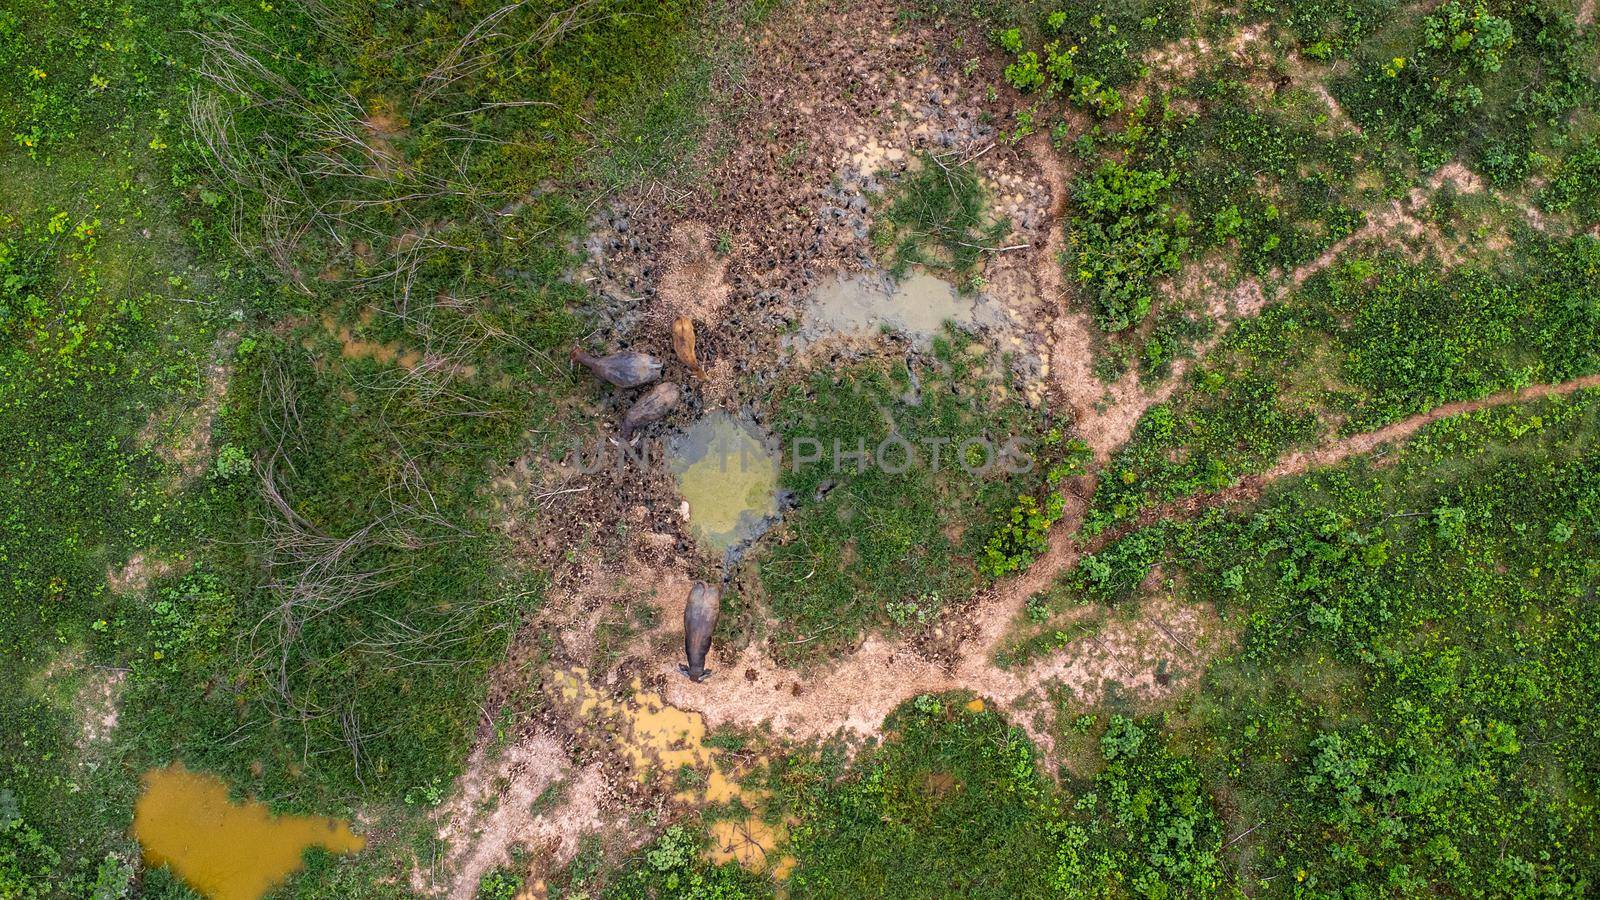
x: 225, y: 850
x: 730, y: 479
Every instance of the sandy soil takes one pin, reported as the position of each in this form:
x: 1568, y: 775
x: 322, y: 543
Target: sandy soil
x: 495, y: 807
x: 844, y: 100
x: 1155, y: 654
x: 90, y: 694
x: 99, y: 704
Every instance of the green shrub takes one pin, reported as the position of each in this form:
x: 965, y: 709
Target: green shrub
x: 1123, y: 236
x: 1487, y: 81
x: 1022, y: 537
x: 1575, y: 186
x: 27, y: 863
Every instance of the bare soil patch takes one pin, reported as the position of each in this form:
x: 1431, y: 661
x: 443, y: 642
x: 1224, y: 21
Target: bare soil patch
x: 142, y: 568
x: 181, y: 434
x: 846, y: 98
x: 498, y: 806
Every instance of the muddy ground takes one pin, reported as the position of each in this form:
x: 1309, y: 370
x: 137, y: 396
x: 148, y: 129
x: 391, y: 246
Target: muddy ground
x: 845, y: 98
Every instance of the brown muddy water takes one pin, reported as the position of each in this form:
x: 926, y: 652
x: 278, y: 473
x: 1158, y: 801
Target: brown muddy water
x: 656, y: 738
x: 226, y: 850
x: 916, y: 306
x: 729, y: 478
x: 660, y: 741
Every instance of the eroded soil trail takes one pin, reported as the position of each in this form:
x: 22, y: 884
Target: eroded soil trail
x: 854, y: 694
x: 1160, y: 651
x: 849, y: 99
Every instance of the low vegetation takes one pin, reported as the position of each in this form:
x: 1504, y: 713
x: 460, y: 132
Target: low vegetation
x: 253, y: 378
x: 880, y: 535
x: 1369, y: 341
x: 284, y: 286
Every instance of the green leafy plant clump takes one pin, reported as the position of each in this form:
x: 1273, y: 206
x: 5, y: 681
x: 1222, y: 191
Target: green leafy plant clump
x: 1380, y: 727
x: 1124, y: 236
x: 1495, y: 81
x: 1023, y: 536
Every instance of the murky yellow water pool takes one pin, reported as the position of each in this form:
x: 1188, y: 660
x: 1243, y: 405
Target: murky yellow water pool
x: 225, y: 850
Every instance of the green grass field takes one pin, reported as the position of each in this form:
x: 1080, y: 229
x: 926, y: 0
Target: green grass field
x: 285, y: 286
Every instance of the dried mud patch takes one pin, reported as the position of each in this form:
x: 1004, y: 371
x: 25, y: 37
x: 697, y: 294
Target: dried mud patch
x: 1140, y: 658
x: 568, y: 521
x: 694, y: 282
x: 530, y: 795
x: 846, y: 100
x: 181, y: 433
x: 662, y: 746
x: 753, y: 844
x: 142, y: 568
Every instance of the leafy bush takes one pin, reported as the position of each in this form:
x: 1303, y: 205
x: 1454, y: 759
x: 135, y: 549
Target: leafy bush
x: 952, y: 805
x: 499, y: 884
x: 1361, y: 345
x: 1576, y: 184
x: 1151, y: 824
x: 1384, y: 721
x: 1327, y: 29
x: 1477, y: 37
x: 1123, y: 236
x: 1484, y: 78
x: 1024, y: 74
x: 27, y: 863
x: 1022, y: 536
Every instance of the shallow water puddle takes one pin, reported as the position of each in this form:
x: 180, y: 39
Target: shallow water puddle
x: 916, y: 306
x: 656, y: 738
x: 725, y: 471
x: 225, y: 850
x: 752, y: 843
x: 659, y: 740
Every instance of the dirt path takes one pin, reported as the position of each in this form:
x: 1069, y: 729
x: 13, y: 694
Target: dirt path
x: 857, y: 692
x: 834, y: 124
x: 1361, y: 444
